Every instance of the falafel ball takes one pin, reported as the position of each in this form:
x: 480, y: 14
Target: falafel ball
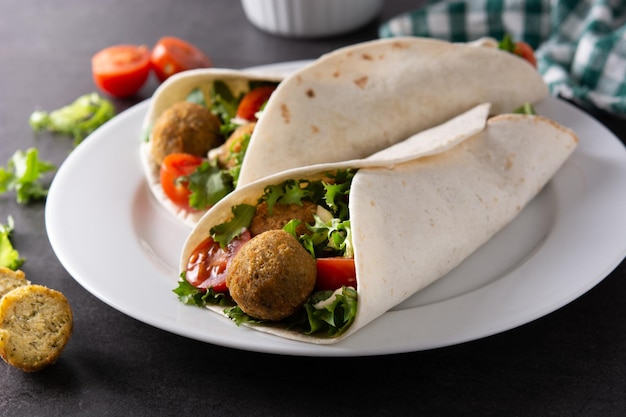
x: 271, y: 276
x: 185, y: 127
x: 281, y: 215
x: 233, y: 145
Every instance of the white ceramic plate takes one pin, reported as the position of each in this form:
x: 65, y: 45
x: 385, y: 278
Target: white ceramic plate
x: 122, y: 246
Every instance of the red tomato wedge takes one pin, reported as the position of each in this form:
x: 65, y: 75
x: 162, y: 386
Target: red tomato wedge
x: 172, y: 55
x: 525, y: 51
x: 173, y: 167
x: 121, y: 70
x: 208, y: 263
x: 253, y: 100
x: 333, y: 273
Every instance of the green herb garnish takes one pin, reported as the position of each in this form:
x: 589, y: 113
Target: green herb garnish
x: 22, y: 175
x: 9, y: 256
x: 78, y: 119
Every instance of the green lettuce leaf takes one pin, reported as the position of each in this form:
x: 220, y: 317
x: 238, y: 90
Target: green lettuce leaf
x: 208, y: 185
x: 225, y: 232
x: 190, y: 295
x: 22, y: 175
x: 78, y: 119
x: 9, y: 256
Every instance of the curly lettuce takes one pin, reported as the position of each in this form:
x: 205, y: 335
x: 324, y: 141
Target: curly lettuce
x: 23, y: 174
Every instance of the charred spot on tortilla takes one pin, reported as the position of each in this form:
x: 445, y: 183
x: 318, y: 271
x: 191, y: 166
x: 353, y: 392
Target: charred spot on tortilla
x: 185, y: 127
x: 361, y: 82
x: 272, y: 276
x: 284, y: 112
x: 367, y: 57
x: 310, y: 93
x: 400, y: 45
x: 315, y: 130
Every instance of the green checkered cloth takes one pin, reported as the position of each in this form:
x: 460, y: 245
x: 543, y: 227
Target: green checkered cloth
x: 580, y: 44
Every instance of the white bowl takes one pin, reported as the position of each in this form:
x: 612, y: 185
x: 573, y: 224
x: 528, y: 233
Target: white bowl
x: 310, y: 18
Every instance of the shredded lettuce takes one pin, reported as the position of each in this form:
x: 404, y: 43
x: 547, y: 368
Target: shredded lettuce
x: 23, y: 173
x: 78, y: 119
x: 526, y: 108
x: 9, y: 256
x: 325, y: 313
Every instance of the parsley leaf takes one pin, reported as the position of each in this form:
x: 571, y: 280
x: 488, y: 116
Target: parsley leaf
x: 208, y: 185
x: 22, y: 174
x: 9, y: 257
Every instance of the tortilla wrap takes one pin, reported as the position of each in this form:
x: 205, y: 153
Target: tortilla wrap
x: 359, y: 100
x: 418, y: 211
x: 363, y: 98
x: 175, y: 89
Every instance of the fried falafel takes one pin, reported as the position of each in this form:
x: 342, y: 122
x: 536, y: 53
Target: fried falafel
x: 281, y: 215
x: 233, y: 145
x: 185, y: 127
x: 271, y: 276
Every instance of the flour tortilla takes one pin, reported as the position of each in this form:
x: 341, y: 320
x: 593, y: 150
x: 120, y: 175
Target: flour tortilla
x: 359, y: 100
x: 416, y: 218
x: 364, y: 98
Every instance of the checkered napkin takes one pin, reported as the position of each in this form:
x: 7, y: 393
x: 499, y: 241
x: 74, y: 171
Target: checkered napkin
x: 580, y: 44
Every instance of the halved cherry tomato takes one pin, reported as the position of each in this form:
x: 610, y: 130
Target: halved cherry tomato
x: 121, y: 70
x: 332, y: 273
x: 253, y: 100
x: 173, y: 167
x: 525, y: 51
x: 172, y: 55
x: 208, y: 263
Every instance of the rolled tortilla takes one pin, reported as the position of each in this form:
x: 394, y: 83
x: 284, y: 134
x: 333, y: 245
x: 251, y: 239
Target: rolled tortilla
x: 363, y: 98
x: 173, y: 90
x: 415, y: 217
x: 358, y: 100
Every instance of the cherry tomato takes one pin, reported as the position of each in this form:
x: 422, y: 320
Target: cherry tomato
x: 173, y: 167
x: 207, y: 266
x: 253, y: 100
x: 332, y: 273
x: 525, y: 51
x: 121, y: 70
x: 172, y: 55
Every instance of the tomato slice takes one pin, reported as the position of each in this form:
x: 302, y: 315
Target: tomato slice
x: 121, y: 70
x: 333, y: 273
x: 525, y: 51
x: 172, y: 55
x: 208, y: 264
x: 173, y: 167
x: 253, y: 100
